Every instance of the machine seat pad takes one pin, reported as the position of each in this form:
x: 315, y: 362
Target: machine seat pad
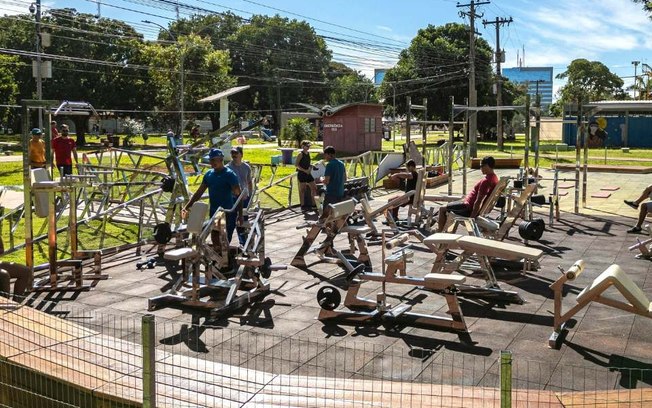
x: 443, y: 238
x: 180, y: 253
x: 443, y: 279
x: 493, y: 248
x: 615, y: 276
x: 356, y: 229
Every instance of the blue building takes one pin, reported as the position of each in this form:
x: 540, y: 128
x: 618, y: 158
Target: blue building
x: 537, y: 79
x: 379, y: 75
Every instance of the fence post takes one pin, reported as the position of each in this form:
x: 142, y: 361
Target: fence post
x: 149, y: 361
x: 505, y: 379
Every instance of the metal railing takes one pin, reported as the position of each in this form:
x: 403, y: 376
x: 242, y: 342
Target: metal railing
x: 83, y: 358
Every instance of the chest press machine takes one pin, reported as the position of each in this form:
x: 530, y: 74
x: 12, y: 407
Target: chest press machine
x: 213, y: 290
x: 335, y: 224
x: 361, y: 310
x: 634, y: 301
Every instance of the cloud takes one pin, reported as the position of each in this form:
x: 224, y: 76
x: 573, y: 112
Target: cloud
x: 384, y: 28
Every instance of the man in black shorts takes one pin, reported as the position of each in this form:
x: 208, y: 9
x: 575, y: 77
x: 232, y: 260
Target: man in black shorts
x: 471, y: 204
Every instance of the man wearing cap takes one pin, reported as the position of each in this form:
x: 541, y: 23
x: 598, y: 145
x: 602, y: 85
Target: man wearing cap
x: 334, y: 178
x: 222, y: 184
x: 64, y: 150
x: 36, y: 149
x: 304, y: 175
x: 243, y: 171
x: 471, y: 204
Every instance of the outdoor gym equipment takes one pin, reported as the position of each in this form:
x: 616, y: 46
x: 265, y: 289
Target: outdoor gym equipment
x: 634, y: 300
x: 214, y: 291
x: 335, y: 224
x: 361, y: 310
x: 481, y: 250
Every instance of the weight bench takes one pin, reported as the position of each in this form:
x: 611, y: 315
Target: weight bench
x: 360, y: 310
x: 335, y: 224
x: 635, y: 300
x: 480, y: 249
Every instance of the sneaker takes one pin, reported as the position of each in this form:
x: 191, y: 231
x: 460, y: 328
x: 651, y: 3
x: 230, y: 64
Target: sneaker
x: 634, y: 230
x: 631, y: 204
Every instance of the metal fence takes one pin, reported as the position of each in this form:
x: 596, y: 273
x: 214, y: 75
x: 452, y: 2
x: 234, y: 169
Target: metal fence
x: 73, y: 357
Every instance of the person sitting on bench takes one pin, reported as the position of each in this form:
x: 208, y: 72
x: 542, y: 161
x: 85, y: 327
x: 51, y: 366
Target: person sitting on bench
x: 471, y: 204
x: 643, y: 210
x: 410, y: 176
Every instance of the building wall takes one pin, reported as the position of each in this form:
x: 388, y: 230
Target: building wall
x: 530, y: 75
x: 636, y: 133
x: 345, y: 130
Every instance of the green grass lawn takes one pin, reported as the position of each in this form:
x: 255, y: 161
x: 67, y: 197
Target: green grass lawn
x: 11, y: 175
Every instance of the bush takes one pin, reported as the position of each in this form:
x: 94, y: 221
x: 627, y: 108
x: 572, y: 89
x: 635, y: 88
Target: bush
x: 297, y: 130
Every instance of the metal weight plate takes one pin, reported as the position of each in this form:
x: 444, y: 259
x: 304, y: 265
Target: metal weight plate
x: 329, y: 297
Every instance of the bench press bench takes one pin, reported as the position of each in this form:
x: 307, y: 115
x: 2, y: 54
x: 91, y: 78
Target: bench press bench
x: 482, y: 249
x: 635, y: 300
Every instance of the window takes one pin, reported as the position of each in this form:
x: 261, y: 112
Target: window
x: 369, y: 125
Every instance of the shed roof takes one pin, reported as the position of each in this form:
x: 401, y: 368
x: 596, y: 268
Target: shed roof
x: 620, y: 106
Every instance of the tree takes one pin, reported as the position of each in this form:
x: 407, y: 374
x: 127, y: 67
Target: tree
x: 647, y: 5
x: 91, y: 59
x: 206, y: 71
x: 283, y: 60
x: 8, y: 86
x: 348, y: 85
x: 435, y: 67
x: 589, y: 81
x: 297, y: 130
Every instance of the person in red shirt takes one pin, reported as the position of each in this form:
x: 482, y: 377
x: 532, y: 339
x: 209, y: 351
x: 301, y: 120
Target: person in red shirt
x: 53, y: 130
x: 64, y: 150
x: 471, y: 204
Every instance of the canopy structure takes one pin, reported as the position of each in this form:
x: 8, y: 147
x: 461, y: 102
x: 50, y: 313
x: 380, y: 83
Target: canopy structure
x: 75, y: 108
x: 224, y: 101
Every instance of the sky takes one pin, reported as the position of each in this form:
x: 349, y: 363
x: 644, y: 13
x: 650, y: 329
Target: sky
x: 552, y: 32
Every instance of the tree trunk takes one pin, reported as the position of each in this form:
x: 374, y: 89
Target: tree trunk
x: 81, y: 123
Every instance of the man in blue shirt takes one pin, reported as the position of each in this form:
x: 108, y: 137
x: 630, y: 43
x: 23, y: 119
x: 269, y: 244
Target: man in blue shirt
x: 334, y: 179
x: 222, y: 184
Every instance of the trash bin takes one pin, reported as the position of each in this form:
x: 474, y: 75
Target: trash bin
x: 115, y: 140
x: 287, y: 155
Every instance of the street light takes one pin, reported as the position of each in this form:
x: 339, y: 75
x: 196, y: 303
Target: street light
x: 181, y: 74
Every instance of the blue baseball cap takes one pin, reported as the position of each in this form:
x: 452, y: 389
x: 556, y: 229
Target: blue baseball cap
x: 36, y: 131
x: 215, y: 153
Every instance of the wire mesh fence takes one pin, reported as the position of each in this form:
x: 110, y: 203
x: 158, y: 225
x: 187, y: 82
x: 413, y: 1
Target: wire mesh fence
x: 73, y: 357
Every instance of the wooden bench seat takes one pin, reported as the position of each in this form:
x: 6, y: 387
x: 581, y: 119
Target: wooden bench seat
x: 498, y: 249
x: 180, y: 253
x: 443, y: 279
x: 443, y: 238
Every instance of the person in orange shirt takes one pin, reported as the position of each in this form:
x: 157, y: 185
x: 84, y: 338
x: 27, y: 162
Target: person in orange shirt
x: 36, y: 149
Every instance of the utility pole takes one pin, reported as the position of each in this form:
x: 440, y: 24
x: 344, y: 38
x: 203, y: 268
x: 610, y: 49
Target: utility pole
x: 635, y: 63
x: 500, y: 57
x: 473, y: 96
x: 35, y: 8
